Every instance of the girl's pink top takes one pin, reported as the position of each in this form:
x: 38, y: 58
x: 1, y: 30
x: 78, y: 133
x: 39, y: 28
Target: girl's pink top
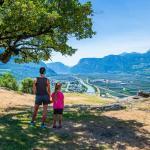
x: 58, y: 100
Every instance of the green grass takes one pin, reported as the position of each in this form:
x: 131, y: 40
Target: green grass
x: 17, y: 134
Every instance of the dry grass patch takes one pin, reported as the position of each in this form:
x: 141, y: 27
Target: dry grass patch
x: 13, y: 99
x: 74, y: 98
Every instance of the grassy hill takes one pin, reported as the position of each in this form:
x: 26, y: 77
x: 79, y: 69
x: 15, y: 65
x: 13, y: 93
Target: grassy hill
x: 82, y: 129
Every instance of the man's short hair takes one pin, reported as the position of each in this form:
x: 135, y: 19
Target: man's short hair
x: 42, y: 70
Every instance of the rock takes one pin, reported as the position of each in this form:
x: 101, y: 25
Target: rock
x: 109, y: 107
x: 143, y: 94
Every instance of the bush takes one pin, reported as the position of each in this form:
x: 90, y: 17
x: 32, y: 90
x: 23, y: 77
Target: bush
x: 27, y: 85
x: 7, y: 80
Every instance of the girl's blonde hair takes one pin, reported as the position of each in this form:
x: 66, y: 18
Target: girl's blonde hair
x: 57, y: 88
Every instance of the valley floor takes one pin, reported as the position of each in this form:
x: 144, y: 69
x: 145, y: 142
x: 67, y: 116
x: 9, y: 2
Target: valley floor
x: 127, y: 129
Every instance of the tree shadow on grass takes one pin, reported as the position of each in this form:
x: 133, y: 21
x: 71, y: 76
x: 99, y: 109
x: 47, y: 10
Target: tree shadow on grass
x: 114, y: 132
x: 81, y: 130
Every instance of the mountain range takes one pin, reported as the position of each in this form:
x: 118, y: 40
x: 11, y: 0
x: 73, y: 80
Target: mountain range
x: 21, y: 71
x: 125, y: 62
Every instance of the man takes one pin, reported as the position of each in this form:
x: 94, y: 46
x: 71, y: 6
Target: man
x: 41, y: 88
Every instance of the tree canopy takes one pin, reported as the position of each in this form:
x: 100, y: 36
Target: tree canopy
x: 33, y: 29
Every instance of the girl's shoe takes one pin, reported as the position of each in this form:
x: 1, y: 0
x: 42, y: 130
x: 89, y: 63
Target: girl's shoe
x: 43, y: 126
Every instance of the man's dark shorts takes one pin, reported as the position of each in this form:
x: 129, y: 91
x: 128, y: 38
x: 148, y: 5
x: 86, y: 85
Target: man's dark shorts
x: 58, y: 111
x: 44, y: 99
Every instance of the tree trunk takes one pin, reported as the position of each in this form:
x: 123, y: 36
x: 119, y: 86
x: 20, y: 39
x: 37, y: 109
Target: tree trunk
x: 1, y: 2
x: 5, y: 56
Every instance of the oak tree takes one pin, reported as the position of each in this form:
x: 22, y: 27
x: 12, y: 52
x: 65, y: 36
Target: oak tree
x: 33, y: 29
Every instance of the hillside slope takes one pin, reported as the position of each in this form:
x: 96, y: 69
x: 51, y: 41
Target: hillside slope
x: 82, y: 129
x: 13, y: 99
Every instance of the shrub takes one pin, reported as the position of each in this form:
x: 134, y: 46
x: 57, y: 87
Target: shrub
x: 27, y: 85
x: 8, y: 81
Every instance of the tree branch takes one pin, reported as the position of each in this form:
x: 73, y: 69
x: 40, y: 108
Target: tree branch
x: 25, y: 35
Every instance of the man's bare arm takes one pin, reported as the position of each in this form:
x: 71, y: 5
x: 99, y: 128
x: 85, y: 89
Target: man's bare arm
x: 48, y: 88
x: 34, y: 87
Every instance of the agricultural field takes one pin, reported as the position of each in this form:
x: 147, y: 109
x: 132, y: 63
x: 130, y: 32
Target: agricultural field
x: 119, y: 85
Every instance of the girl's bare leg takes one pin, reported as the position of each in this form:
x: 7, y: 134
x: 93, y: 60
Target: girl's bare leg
x: 60, y: 120
x: 54, y: 120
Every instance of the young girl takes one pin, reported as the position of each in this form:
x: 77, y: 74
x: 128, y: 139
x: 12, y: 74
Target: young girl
x: 58, y: 104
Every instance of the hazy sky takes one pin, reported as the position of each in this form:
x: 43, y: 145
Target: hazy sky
x: 121, y: 26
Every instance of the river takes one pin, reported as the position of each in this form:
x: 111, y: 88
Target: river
x: 90, y: 89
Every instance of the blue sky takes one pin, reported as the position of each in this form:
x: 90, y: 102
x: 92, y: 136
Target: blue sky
x: 121, y: 26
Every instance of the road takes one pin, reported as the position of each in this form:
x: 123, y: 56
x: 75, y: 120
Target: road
x: 67, y: 86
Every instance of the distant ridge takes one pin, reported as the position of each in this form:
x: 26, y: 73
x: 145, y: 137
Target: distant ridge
x: 59, y: 67
x: 125, y: 62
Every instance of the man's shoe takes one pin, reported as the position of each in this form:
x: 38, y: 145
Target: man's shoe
x: 59, y: 127
x: 32, y: 123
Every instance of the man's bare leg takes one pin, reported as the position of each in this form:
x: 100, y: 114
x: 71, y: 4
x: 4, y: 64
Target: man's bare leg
x: 45, y: 107
x: 36, y: 107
